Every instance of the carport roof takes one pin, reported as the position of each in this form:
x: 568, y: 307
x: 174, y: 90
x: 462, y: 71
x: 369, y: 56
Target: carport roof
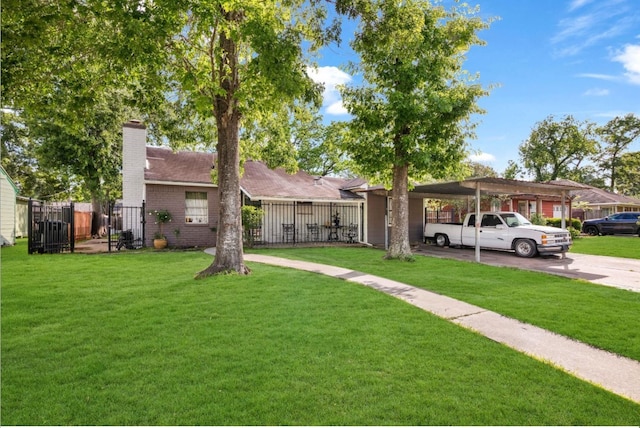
x: 490, y: 186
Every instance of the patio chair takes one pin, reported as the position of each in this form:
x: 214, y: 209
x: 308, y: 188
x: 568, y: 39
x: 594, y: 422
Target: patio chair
x: 288, y: 232
x: 313, y: 232
x: 350, y: 232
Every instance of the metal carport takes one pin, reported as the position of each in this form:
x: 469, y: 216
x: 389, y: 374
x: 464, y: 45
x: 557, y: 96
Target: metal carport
x: 476, y: 187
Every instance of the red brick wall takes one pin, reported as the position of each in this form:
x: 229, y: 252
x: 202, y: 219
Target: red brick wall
x: 172, y: 198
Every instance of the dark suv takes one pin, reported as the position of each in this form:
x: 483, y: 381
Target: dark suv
x: 628, y: 222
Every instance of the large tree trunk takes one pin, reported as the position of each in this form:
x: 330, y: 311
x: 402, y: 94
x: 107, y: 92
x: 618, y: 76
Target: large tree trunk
x: 99, y: 217
x: 399, y: 247
x: 229, y: 254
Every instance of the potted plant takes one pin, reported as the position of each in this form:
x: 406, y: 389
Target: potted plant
x: 162, y: 217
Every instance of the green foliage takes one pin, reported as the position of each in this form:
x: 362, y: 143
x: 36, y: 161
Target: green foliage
x: 251, y: 222
x: 557, y: 222
x: 575, y: 233
x: 414, y: 106
x: 87, y: 143
x: 628, y: 173
x: 20, y: 159
x: 411, y: 115
x: 538, y: 219
x: 556, y: 149
x: 252, y: 217
x: 161, y: 218
x: 616, y: 137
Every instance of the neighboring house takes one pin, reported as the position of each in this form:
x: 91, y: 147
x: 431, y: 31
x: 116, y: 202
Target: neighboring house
x: 297, y: 207
x: 8, y: 193
x: 530, y: 205
x: 592, y: 202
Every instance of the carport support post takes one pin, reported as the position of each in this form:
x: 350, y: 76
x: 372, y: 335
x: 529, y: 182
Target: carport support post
x: 477, y: 228
x: 563, y: 221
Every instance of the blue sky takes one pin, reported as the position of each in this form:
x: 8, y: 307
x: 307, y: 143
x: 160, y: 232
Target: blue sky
x: 548, y: 57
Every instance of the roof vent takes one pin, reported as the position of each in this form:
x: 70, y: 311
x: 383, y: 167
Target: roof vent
x: 317, y: 181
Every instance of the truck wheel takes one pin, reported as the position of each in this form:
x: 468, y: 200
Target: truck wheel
x: 525, y: 248
x: 442, y: 240
x: 591, y: 230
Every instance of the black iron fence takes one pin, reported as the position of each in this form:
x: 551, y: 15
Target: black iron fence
x: 50, y: 227
x: 126, y: 227
x: 308, y: 222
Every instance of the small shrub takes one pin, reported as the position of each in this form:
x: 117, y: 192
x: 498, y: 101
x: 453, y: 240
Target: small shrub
x: 538, y: 219
x: 251, y: 221
x: 575, y: 233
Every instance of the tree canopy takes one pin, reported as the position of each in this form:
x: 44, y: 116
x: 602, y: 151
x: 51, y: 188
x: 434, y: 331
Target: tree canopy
x: 410, y: 116
x: 616, y: 136
x: 233, y: 63
x: 556, y: 149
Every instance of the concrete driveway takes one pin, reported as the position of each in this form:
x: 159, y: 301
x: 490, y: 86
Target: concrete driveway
x: 610, y: 271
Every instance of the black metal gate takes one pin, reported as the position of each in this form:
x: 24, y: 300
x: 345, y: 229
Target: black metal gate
x: 126, y: 227
x: 50, y: 227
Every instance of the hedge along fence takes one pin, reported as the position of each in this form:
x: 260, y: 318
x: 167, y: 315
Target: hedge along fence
x: 557, y: 222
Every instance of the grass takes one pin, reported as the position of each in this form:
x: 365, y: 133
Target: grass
x: 131, y: 339
x: 627, y: 246
x: 604, y: 317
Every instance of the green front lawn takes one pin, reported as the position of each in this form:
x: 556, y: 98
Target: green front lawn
x: 132, y: 339
x: 627, y: 246
x: 604, y: 317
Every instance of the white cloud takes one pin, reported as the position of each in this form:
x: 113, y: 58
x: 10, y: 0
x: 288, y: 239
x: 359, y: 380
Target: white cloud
x: 577, y: 4
x: 330, y: 77
x: 595, y: 22
x: 336, y: 109
x: 630, y: 59
x: 482, y: 157
x: 596, y: 92
x: 598, y: 76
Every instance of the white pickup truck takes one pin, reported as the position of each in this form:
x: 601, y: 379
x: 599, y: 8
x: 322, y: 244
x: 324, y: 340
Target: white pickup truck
x: 501, y: 231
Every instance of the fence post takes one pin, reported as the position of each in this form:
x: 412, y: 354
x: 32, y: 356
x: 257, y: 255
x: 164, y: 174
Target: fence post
x: 109, y: 208
x: 72, y: 244
x: 30, y: 226
x: 143, y: 221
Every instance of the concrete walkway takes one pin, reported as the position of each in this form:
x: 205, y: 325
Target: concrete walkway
x: 612, y: 372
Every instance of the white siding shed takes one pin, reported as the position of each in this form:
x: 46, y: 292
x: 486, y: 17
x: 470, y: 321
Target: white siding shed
x: 8, y: 193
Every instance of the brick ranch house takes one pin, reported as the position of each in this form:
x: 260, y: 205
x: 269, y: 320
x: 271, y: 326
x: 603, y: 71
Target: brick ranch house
x: 297, y: 208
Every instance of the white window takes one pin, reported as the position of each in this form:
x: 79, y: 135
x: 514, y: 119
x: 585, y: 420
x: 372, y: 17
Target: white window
x: 196, y: 208
x: 557, y: 210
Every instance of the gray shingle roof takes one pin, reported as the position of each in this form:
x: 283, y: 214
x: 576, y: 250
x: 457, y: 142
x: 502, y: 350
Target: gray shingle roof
x: 182, y: 167
x: 594, y: 195
x: 258, y: 181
